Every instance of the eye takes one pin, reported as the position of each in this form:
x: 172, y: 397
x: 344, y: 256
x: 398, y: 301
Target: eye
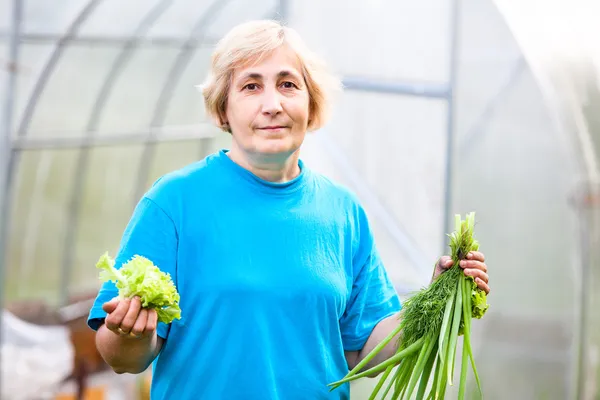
x: 251, y: 86
x: 289, y: 85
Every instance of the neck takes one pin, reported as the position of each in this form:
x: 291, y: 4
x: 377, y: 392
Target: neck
x: 277, y: 168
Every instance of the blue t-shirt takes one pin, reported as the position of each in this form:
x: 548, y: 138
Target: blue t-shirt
x: 276, y: 282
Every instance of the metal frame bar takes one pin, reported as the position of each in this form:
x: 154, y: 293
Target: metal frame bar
x: 109, y: 41
x: 586, y: 205
x: 450, y: 121
x: 428, y: 90
x: 590, y: 188
x: 584, y: 281
x: 166, y: 94
x: 5, y: 145
x: 63, y: 141
x: 283, y: 11
x: 82, y: 163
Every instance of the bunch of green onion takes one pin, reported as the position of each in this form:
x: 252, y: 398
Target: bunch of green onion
x: 430, y: 322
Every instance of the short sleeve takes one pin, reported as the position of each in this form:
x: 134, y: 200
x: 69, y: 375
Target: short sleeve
x: 150, y: 233
x: 373, y: 296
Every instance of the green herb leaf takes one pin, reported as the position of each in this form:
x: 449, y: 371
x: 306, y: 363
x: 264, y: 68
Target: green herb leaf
x: 140, y: 277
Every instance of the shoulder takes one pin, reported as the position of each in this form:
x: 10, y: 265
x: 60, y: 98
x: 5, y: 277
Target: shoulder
x: 174, y: 184
x: 346, y: 203
x: 337, y: 192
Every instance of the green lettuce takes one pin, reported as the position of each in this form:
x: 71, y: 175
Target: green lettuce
x: 140, y: 277
x: 478, y: 301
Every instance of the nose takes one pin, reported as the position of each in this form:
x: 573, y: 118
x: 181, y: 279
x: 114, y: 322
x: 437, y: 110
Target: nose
x: 271, y: 102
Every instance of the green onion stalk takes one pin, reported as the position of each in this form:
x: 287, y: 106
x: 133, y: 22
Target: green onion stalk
x: 431, y: 321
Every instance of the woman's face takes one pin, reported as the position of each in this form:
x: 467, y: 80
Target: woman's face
x: 268, y: 105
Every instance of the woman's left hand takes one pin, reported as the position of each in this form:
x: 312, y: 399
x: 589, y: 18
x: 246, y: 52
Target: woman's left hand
x: 473, y: 266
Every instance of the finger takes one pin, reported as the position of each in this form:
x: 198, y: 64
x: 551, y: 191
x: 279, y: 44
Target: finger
x: 152, y: 322
x: 445, y: 262
x: 482, y: 285
x: 115, y: 318
x: 476, y: 255
x: 132, y: 315
x: 110, y: 305
x: 473, y: 265
x: 140, y: 324
x: 477, y: 273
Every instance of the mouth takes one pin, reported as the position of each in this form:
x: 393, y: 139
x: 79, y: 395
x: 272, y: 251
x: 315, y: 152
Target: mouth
x: 272, y: 128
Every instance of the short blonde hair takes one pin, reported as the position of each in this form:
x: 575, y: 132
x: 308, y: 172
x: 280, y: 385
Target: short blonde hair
x: 248, y: 43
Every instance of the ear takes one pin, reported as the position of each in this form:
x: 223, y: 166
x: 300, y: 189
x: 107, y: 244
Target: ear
x: 311, y: 115
x: 222, y: 122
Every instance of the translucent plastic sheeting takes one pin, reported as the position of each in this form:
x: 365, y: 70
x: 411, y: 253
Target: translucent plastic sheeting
x: 560, y: 43
x: 45, y: 18
x: 520, y: 176
x: 107, y: 191
x: 176, y: 19
x: 69, y: 95
x: 32, y: 59
x: 179, y: 19
x: 388, y: 40
x: 238, y: 11
x: 5, y: 21
x: 117, y: 92
x: 397, y: 146
x: 182, y: 17
x: 516, y: 167
x: 42, y: 208
x: 186, y: 106
x: 132, y: 93
x: 135, y: 91
x: 112, y: 18
x: 39, y: 215
x: 488, y: 62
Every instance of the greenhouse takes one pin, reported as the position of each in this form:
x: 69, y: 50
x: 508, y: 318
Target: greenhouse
x: 448, y: 107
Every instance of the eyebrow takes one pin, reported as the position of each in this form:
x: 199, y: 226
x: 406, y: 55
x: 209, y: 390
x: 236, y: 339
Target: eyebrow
x: 256, y: 75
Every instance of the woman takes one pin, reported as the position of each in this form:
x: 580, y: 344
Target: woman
x: 282, y: 288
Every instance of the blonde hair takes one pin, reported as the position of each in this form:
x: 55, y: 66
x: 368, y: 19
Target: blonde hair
x: 248, y: 43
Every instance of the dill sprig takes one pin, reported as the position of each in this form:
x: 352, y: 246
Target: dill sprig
x: 422, y: 313
x: 427, y: 336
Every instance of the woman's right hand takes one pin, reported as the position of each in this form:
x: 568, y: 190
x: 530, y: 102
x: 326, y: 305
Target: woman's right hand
x: 127, y: 318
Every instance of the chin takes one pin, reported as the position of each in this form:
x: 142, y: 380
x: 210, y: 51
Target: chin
x: 273, y: 147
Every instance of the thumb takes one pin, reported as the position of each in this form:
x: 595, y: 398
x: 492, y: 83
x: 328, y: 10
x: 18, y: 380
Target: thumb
x: 111, y: 305
x: 445, y: 262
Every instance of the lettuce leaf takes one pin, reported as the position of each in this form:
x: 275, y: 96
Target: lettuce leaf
x: 479, y: 301
x: 479, y: 304
x: 140, y: 277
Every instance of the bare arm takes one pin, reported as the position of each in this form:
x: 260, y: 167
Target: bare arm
x: 127, y: 341
x: 474, y: 267
x: 383, y: 329
x: 380, y: 332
